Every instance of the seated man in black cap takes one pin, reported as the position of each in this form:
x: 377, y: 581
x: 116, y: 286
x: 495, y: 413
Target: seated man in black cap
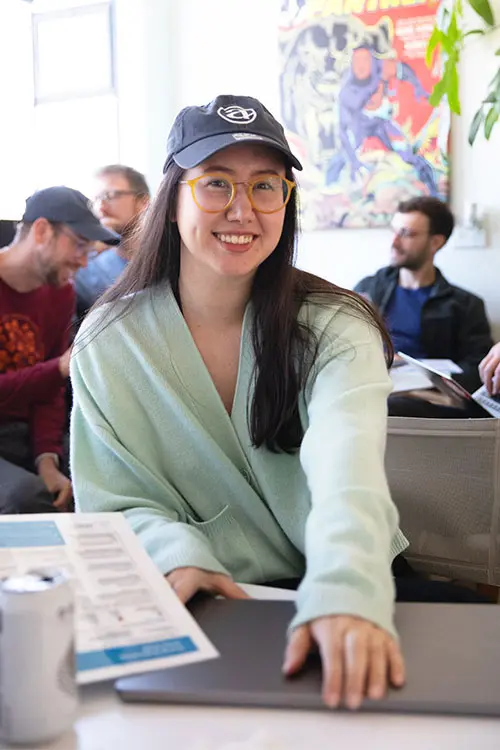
x: 37, y: 304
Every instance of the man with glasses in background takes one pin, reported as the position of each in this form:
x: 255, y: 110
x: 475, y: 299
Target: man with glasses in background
x: 37, y: 300
x: 426, y: 315
x: 121, y: 197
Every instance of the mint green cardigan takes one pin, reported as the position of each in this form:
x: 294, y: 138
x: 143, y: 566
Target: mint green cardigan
x: 151, y: 437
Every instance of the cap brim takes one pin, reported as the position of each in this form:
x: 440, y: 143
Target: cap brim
x: 193, y: 155
x: 95, y: 232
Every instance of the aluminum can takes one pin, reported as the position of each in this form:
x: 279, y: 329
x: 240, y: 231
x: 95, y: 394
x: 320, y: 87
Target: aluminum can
x: 38, y: 690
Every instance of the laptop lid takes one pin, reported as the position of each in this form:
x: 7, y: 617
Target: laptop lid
x: 452, y: 654
x: 440, y: 380
x: 457, y: 394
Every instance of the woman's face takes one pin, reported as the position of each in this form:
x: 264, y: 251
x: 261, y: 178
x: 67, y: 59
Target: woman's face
x: 234, y: 242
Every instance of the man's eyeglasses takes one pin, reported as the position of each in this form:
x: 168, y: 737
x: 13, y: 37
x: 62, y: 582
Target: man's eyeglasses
x: 406, y: 234
x: 83, y: 248
x: 214, y: 193
x: 112, y: 195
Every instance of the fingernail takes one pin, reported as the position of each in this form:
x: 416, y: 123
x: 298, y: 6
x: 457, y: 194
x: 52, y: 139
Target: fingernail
x: 353, y: 701
x: 376, y: 692
x: 332, y: 700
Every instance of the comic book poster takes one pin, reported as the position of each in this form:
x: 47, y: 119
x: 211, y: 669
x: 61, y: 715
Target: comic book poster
x: 355, y: 103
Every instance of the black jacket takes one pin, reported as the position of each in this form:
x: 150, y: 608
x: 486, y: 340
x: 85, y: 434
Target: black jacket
x: 453, y: 323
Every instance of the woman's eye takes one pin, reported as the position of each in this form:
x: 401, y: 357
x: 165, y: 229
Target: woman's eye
x: 265, y: 185
x: 218, y: 184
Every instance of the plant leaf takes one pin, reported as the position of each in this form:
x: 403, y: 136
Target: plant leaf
x: 492, y: 98
x: 453, y: 89
x: 478, y: 31
x: 498, y: 51
x: 495, y: 82
x: 454, y: 34
x: 434, y: 41
x: 447, y: 44
x: 491, y: 119
x: 475, y: 125
x: 483, y: 9
x: 438, y: 92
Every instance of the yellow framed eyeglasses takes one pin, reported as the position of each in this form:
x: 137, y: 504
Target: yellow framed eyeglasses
x: 214, y: 193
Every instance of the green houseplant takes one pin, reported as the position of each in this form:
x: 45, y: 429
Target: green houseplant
x: 450, y: 35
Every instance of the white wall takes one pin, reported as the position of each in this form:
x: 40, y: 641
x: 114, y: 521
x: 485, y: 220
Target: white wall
x: 146, y: 68
x: 230, y: 46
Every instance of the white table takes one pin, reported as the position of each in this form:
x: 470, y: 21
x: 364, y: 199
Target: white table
x: 105, y: 723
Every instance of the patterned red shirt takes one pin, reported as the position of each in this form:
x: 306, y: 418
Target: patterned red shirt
x: 34, y: 332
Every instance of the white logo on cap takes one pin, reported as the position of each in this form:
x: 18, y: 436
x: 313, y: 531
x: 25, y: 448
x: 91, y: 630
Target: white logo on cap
x: 247, y: 136
x: 234, y: 113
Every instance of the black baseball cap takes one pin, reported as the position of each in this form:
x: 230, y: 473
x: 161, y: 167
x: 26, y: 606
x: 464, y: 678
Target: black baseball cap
x: 63, y: 205
x: 199, y: 132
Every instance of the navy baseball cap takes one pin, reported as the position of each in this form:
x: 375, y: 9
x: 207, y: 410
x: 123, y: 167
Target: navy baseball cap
x: 63, y: 205
x: 199, y: 132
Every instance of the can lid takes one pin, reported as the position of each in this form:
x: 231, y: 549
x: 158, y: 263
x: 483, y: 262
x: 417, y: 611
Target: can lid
x: 32, y: 581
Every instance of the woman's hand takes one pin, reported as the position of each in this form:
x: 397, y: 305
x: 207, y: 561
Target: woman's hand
x: 489, y: 370
x: 358, y: 658
x: 187, y: 581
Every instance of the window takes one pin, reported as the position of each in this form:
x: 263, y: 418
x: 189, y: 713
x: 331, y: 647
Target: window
x: 75, y: 107
x: 73, y: 53
x: 59, y: 99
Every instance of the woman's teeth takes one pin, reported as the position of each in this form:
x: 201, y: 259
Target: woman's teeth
x: 235, y: 239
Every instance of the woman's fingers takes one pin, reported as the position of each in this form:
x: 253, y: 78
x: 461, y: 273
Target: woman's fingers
x: 356, y: 659
x: 187, y: 581
x: 377, y: 666
x: 298, y: 647
x: 397, y: 671
x: 329, y: 636
x: 185, y: 584
x: 225, y: 586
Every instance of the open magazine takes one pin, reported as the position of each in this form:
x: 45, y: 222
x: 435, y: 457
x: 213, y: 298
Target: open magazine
x: 457, y: 394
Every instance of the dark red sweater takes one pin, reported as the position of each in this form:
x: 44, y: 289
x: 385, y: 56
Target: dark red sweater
x: 34, y: 332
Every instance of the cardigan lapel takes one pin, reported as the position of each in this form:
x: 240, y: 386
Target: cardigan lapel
x: 199, y: 392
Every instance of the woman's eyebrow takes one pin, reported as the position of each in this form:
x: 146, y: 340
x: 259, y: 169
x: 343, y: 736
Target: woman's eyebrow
x: 220, y: 168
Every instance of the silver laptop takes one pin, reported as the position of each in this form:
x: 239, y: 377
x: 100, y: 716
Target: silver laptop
x: 457, y: 394
x: 452, y: 653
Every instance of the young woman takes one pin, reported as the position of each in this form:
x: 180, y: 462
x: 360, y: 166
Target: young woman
x: 235, y: 408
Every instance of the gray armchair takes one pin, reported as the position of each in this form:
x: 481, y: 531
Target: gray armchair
x: 444, y: 477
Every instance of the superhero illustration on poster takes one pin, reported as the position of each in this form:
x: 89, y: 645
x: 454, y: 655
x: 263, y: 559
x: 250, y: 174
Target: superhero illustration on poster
x: 355, y: 102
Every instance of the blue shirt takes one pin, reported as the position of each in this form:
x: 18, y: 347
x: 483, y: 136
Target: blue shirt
x: 93, y: 281
x: 403, y: 318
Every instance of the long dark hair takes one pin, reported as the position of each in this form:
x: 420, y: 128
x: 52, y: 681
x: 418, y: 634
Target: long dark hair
x: 284, y: 347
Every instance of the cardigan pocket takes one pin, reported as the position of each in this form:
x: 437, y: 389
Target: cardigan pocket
x: 230, y: 545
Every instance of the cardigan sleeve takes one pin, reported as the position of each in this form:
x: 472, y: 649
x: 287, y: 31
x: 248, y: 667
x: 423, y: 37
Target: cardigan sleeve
x: 352, y: 524
x: 108, y: 477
